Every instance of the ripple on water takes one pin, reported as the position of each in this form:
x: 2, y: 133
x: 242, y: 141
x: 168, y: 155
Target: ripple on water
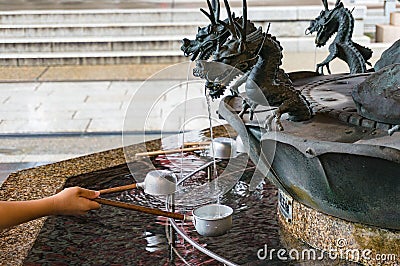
x: 122, y: 237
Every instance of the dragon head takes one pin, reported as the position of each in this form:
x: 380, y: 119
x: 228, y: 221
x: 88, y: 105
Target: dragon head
x: 239, y: 51
x: 325, y: 24
x: 203, y: 46
x: 206, y: 37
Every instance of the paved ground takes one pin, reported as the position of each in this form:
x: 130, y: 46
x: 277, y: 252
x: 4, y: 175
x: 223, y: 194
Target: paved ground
x: 50, y: 114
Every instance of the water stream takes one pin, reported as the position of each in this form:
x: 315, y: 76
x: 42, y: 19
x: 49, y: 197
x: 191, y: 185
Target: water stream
x: 188, y: 75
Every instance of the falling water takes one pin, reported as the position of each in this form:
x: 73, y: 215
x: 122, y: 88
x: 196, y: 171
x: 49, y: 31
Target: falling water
x: 183, y: 126
x: 184, y: 115
x: 211, y: 134
x: 215, y: 174
x: 315, y: 56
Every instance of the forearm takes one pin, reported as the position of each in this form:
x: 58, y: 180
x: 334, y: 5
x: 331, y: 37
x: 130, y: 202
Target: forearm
x: 16, y: 212
x: 70, y: 201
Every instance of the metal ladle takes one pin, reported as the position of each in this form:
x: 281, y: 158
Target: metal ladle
x: 209, y: 220
x: 156, y: 183
x: 163, y: 182
x: 223, y: 148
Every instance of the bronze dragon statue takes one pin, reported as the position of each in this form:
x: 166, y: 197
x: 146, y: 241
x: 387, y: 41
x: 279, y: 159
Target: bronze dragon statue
x: 339, y: 20
x: 260, y: 55
x: 208, y: 39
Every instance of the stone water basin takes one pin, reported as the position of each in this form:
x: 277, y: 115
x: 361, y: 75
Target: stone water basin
x: 114, y: 236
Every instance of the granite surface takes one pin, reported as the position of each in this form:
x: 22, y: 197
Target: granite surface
x: 43, y: 181
x: 338, y: 238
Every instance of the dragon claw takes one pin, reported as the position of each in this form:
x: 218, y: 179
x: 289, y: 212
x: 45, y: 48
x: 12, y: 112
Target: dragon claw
x: 251, y: 114
x: 234, y: 92
x: 246, y: 106
x: 394, y: 129
x: 276, y: 115
x: 241, y: 114
x: 329, y: 70
x: 320, y: 69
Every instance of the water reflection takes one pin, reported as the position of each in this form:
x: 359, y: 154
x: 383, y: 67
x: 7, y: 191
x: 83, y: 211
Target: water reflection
x: 121, y: 237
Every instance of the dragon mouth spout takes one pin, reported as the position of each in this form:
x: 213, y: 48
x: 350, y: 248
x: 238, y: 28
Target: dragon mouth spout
x: 320, y: 39
x: 218, y: 76
x: 189, y: 49
x: 206, y: 50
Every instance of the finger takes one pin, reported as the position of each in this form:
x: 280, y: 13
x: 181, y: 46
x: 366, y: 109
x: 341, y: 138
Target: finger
x: 94, y: 205
x: 90, y: 194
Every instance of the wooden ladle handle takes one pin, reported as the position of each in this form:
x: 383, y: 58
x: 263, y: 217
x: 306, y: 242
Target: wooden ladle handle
x: 161, y: 152
x: 118, y: 189
x: 133, y: 207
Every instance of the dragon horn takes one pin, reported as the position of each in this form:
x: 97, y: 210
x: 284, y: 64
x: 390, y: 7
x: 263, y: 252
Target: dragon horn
x: 244, y: 24
x: 209, y: 16
x: 241, y: 29
x: 325, y: 2
x: 216, y: 8
x: 231, y: 27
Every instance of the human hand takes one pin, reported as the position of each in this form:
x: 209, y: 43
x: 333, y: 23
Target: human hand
x: 74, y: 201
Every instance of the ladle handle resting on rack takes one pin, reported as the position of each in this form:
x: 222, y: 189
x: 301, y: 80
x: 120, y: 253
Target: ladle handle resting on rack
x: 128, y: 206
x: 160, y: 152
x: 118, y: 189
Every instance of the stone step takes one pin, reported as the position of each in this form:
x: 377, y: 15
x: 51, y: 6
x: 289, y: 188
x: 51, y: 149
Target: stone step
x: 91, y: 44
x: 387, y: 33
x: 99, y: 29
x: 371, y: 21
x: 26, y: 17
x: 125, y: 50
x: 395, y: 18
x: 306, y: 44
x: 91, y: 58
x: 59, y: 37
x: 186, y: 29
x: 259, y: 13
x: 372, y: 12
x: 375, y: 16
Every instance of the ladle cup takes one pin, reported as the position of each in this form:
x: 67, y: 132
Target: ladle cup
x: 223, y: 148
x: 209, y: 220
x: 156, y: 183
x: 163, y: 182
